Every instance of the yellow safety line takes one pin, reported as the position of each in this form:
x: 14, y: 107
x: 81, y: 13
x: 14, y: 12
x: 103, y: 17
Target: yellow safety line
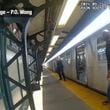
x: 91, y: 98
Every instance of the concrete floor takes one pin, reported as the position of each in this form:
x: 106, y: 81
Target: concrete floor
x: 56, y: 97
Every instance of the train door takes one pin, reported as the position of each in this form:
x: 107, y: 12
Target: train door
x: 81, y: 64
x: 68, y: 64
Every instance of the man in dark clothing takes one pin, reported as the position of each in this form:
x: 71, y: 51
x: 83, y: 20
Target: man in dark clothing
x: 106, y: 35
x: 60, y: 69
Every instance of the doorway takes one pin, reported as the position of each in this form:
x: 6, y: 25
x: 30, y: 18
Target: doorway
x: 81, y: 64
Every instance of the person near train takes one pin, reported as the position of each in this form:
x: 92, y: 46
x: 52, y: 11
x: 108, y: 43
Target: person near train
x: 60, y: 69
x: 106, y: 35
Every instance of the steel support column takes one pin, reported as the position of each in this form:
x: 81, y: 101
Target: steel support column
x: 25, y: 63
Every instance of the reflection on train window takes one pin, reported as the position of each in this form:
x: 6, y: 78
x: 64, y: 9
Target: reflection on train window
x: 101, y: 47
x: 68, y: 58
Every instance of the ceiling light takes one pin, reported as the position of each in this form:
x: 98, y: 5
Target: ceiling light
x: 102, y: 20
x: 44, y: 61
x: 54, y: 40
x: 14, y: 30
x: 47, y: 54
x: 50, y: 49
x: 69, y: 8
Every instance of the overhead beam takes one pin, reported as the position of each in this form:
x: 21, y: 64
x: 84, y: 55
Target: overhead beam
x: 61, y: 37
x: 65, y: 32
x: 41, y: 35
x: 34, y: 35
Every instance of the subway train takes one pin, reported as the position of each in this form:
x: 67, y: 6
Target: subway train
x: 86, y: 62
x: 24, y: 42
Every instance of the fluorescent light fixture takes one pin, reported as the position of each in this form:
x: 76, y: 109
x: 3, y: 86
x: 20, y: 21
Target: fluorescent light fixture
x: 47, y: 54
x: 69, y: 8
x: 50, y: 49
x: 54, y: 40
x: 106, y: 30
x: 45, y: 59
x: 14, y: 30
x: 102, y: 20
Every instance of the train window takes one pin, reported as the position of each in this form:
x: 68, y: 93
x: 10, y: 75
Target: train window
x: 101, y: 46
x: 68, y: 58
x: 81, y: 63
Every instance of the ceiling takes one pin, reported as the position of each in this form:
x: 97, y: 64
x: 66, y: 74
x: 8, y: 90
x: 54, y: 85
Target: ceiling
x: 72, y: 22
x: 64, y: 31
x: 43, y: 24
x: 76, y: 15
x: 37, y: 23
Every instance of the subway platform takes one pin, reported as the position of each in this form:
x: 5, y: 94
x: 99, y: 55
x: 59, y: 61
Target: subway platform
x: 66, y: 95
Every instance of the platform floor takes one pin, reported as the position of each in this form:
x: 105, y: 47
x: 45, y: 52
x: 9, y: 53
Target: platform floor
x: 57, y: 97
x: 66, y: 95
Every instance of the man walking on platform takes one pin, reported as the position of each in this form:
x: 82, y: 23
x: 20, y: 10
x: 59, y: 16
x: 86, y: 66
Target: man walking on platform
x: 60, y: 70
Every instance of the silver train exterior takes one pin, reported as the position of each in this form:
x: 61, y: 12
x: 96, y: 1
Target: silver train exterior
x: 90, y: 54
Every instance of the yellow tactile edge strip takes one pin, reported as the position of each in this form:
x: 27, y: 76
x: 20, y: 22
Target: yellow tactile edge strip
x: 91, y: 98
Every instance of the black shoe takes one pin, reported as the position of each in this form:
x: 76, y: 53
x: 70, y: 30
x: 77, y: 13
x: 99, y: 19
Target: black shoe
x: 106, y: 102
x: 60, y: 79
